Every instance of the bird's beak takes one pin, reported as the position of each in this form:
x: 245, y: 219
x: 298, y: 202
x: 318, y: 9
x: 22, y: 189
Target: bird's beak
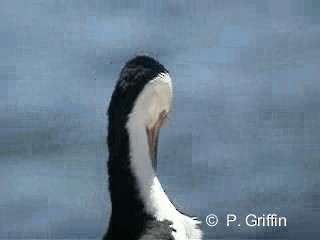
x: 153, y: 137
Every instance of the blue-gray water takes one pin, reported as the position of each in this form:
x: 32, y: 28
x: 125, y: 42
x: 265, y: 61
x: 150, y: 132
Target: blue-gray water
x: 244, y: 136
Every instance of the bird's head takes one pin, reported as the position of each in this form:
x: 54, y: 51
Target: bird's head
x: 144, y: 90
x: 152, y: 109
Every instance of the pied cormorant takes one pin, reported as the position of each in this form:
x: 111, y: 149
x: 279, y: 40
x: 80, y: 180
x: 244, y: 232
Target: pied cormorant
x: 139, y: 107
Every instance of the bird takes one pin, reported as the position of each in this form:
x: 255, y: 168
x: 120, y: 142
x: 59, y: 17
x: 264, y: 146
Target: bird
x: 140, y: 105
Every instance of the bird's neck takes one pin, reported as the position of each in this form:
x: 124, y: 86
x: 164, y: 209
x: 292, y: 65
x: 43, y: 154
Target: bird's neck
x: 150, y: 190
x: 155, y: 201
x: 136, y: 193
